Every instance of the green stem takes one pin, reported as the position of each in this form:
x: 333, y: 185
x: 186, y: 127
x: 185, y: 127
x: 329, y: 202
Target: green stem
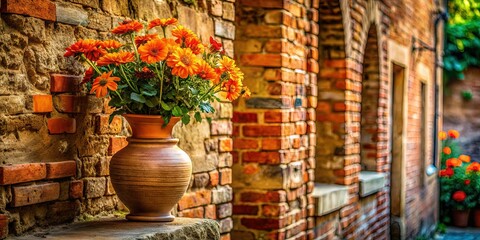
x: 91, y: 64
x: 161, y: 81
x: 126, y: 79
x: 164, y: 34
x: 204, y: 95
x: 132, y: 36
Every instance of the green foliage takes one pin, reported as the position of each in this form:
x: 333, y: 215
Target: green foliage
x: 467, y: 95
x: 441, y: 228
x: 462, y: 11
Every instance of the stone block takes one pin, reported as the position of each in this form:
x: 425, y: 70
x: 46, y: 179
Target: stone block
x: 32, y: 194
x: 95, y: 187
x: 329, y: 197
x: 371, y: 182
x: 262, y: 177
x: 222, y: 194
x: 12, y: 105
x: 18, y: 173
x: 61, y: 169
x: 224, y: 29
x: 72, y: 16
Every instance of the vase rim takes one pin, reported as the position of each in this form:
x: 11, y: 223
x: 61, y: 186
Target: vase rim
x: 145, y: 116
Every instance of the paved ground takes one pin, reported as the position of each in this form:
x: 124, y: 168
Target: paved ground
x: 461, y: 234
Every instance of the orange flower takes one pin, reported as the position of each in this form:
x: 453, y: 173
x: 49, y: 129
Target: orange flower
x: 464, y: 158
x: 453, y: 162
x: 453, y: 134
x: 194, y: 44
x: 162, y: 22
x: 473, y: 167
x: 232, y: 89
x: 228, y: 65
x: 246, y: 92
x: 205, y: 71
x: 442, y: 135
x: 88, y: 75
x: 103, y: 83
x: 89, y: 47
x: 153, y: 51
x: 183, y: 62
x: 140, y: 40
x: 128, y: 26
x: 171, y: 45
x: 448, y: 172
x: 116, y: 58
x: 110, y: 44
x: 182, y: 33
x: 447, y: 150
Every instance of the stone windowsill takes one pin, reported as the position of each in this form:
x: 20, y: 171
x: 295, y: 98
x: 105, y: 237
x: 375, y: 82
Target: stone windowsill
x: 329, y: 197
x: 110, y: 229
x: 371, y: 182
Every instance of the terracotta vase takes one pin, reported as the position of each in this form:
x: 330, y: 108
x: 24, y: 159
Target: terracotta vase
x: 151, y: 173
x: 460, y: 217
x: 476, y: 217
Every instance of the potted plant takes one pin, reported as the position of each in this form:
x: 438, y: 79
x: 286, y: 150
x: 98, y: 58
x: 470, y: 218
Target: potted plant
x: 155, y: 82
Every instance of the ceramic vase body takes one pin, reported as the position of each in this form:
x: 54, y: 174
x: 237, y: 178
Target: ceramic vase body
x: 476, y: 217
x: 151, y: 173
x: 460, y: 217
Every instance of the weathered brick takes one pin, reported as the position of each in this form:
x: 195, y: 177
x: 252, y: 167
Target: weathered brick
x: 18, y: 173
x: 32, y: 194
x: 263, y: 223
x: 103, y: 127
x: 42, y: 103
x: 244, y: 117
x: 240, y: 143
x: 3, y: 226
x: 116, y: 144
x: 61, y: 169
x: 76, y: 189
x: 242, y: 209
x: 225, y: 144
x: 225, y: 176
x: 197, y: 212
x: 69, y: 103
x: 195, y: 199
x: 61, y: 125
x: 43, y: 9
x: 214, y: 177
x: 264, y: 60
x: 262, y: 130
x: 263, y: 3
x: 210, y: 212
x: 224, y: 210
x: 64, y: 83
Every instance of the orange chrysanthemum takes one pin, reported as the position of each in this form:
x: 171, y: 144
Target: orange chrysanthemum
x: 89, y: 47
x: 88, y: 75
x: 103, y: 83
x: 110, y: 44
x: 453, y: 134
x: 153, y: 51
x: 116, y: 58
x: 205, y: 71
x: 228, y: 65
x: 464, y: 158
x: 128, y: 26
x: 473, y: 167
x: 195, y: 45
x: 447, y: 150
x: 246, y: 93
x: 453, y: 162
x: 162, y: 22
x: 171, y: 45
x: 442, y: 135
x: 182, y: 34
x: 183, y: 62
x: 140, y: 40
x: 232, y: 89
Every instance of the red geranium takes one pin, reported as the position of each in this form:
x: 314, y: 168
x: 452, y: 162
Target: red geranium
x: 459, y: 196
x: 448, y: 172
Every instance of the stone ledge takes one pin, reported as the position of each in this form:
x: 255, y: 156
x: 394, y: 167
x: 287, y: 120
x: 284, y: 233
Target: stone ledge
x: 371, y: 182
x: 109, y: 229
x: 329, y: 197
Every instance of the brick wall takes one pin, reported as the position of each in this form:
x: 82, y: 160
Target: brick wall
x: 274, y: 131
x: 56, y: 143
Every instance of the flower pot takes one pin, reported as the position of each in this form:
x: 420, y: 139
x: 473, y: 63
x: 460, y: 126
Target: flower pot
x: 476, y: 217
x: 151, y: 173
x: 460, y: 217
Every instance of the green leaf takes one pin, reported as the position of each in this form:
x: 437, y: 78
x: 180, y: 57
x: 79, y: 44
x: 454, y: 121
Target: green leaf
x: 177, y: 111
x: 165, y: 106
x: 148, y: 90
x: 137, y: 97
x: 186, y: 119
x: 149, y: 103
x: 198, y: 117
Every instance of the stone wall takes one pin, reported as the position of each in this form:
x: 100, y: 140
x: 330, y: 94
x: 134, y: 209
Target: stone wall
x: 462, y: 114
x: 55, y: 141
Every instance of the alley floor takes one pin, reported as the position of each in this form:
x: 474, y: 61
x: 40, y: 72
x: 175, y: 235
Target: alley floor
x: 460, y: 234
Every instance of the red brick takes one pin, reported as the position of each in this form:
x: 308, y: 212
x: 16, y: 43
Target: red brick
x: 61, y: 125
x: 266, y: 60
x: 32, y: 194
x: 273, y: 210
x: 69, y: 103
x: 192, y: 213
x: 76, y: 189
x: 244, y: 117
x: 263, y: 223
x: 274, y: 143
x: 3, y: 226
x: 18, y: 173
x: 61, y: 169
x: 239, y: 209
x: 225, y: 237
x: 195, y: 199
x: 116, y: 144
x: 263, y: 3
x: 42, y: 103
x: 214, y: 178
x: 225, y: 145
x: 276, y: 116
x: 64, y: 83
x: 225, y: 176
x: 261, y: 157
x: 240, y: 143
x: 43, y: 9
x: 211, y: 212
x: 255, y: 197
x: 262, y: 130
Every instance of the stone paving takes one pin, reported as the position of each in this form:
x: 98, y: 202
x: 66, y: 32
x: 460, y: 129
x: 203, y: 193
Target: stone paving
x: 460, y: 234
